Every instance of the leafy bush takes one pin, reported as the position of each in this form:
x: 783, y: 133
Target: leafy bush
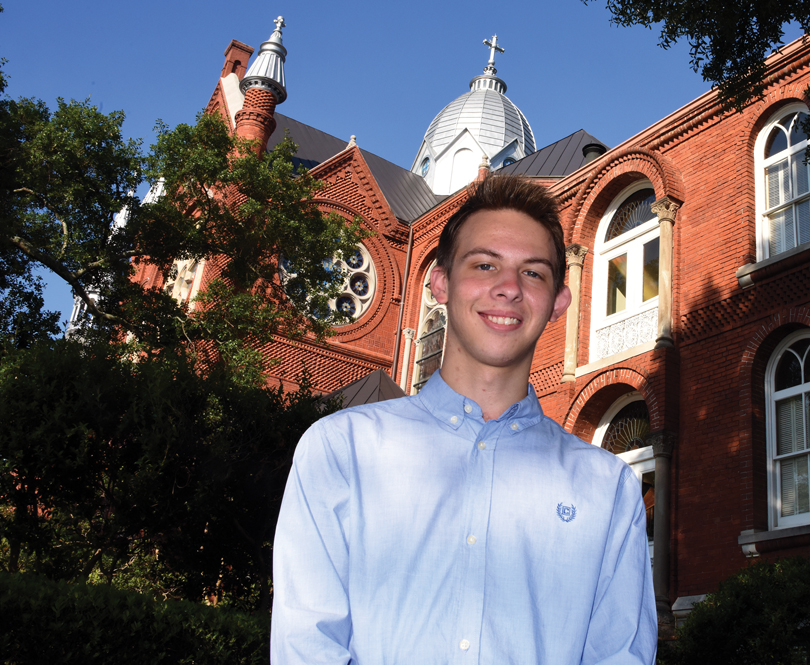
x: 58, y: 623
x: 760, y: 615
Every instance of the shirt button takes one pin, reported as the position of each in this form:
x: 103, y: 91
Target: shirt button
x: 464, y: 645
x: 471, y: 540
x: 481, y: 445
x: 467, y: 408
x: 454, y: 419
x: 514, y: 426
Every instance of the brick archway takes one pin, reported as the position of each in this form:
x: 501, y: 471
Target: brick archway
x: 752, y: 426
x: 601, y: 392
x: 604, y: 184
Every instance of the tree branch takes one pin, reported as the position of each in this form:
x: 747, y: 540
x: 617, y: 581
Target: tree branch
x: 47, y: 207
x: 71, y: 278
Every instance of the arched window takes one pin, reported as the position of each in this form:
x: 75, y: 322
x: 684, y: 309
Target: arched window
x: 430, y: 336
x: 783, y: 190
x: 359, y: 283
x: 625, y: 291
x: 788, y: 398
x: 184, y: 286
x: 623, y: 431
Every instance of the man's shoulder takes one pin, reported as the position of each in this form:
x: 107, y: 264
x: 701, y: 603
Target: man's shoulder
x: 574, y: 449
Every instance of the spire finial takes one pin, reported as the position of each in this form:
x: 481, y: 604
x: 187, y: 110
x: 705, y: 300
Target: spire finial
x: 280, y: 23
x: 493, y: 46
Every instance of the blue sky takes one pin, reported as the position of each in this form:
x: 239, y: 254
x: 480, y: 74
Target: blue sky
x: 378, y: 70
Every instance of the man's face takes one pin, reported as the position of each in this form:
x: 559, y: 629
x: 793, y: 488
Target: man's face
x: 500, y: 292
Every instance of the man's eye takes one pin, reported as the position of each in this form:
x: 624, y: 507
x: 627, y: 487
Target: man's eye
x: 534, y: 275
x: 485, y: 266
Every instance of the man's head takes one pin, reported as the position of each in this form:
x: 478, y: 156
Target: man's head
x: 506, y: 192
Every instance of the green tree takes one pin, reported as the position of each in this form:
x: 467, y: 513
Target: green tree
x: 760, y: 615
x: 67, y: 174
x: 728, y: 39
x: 142, y: 474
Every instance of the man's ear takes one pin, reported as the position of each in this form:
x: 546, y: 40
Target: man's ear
x: 561, y: 302
x: 438, y: 284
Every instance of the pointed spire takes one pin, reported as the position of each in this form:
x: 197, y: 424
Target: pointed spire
x: 267, y: 70
x: 488, y: 80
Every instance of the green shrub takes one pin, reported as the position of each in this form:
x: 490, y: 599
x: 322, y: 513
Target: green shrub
x: 760, y: 615
x: 58, y: 623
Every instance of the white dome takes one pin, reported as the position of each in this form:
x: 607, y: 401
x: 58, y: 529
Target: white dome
x: 490, y: 117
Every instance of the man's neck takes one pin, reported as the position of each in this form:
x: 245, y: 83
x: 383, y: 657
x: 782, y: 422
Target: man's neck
x: 492, y: 388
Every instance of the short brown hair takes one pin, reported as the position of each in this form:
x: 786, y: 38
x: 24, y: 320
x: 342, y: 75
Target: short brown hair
x: 506, y: 192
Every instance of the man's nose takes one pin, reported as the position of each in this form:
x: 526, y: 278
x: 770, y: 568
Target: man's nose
x: 508, y: 284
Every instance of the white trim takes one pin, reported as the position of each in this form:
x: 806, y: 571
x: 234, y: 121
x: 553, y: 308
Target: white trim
x: 775, y: 521
x: 632, y: 244
x: 760, y: 163
x: 615, y: 358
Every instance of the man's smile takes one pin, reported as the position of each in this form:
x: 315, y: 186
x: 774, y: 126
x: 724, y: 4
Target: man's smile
x: 501, y: 320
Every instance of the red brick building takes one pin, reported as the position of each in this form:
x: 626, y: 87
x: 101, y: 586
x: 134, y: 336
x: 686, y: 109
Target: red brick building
x: 685, y: 350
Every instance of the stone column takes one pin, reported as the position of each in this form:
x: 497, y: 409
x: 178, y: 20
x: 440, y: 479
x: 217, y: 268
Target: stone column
x: 406, y: 358
x: 666, y: 209
x: 663, y: 444
x: 575, y: 257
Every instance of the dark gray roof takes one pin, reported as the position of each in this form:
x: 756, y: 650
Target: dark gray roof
x: 376, y: 386
x: 555, y: 160
x: 406, y: 193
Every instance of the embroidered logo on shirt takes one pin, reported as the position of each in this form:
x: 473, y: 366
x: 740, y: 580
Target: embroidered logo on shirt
x: 566, y: 513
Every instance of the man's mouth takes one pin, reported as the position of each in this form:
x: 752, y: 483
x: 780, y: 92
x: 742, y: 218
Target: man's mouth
x: 503, y: 320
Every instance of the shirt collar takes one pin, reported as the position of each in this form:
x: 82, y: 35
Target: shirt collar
x: 451, y: 408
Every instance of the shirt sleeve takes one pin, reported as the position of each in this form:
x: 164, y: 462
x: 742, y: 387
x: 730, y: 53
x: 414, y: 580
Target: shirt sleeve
x: 311, y: 621
x: 623, y: 627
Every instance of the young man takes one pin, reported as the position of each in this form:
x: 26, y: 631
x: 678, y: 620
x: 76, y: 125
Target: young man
x: 461, y: 525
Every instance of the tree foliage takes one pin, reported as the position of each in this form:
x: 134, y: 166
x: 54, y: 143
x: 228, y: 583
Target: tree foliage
x: 142, y: 474
x: 728, y: 39
x: 760, y: 615
x: 67, y: 182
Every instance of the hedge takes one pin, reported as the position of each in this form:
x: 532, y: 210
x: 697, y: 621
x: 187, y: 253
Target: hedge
x: 759, y: 615
x: 57, y: 623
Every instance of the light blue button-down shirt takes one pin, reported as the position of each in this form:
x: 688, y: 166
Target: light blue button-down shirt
x: 412, y: 532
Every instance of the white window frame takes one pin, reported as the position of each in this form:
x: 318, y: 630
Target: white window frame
x: 632, y: 243
x: 775, y: 520
x: 640, y: 460
x: 761, y: 163
x: 429, y: 306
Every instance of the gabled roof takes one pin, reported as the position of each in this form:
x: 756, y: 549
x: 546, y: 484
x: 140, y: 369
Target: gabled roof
x: 374, y: 387
x: 556, y: 160
x: 406, y: 193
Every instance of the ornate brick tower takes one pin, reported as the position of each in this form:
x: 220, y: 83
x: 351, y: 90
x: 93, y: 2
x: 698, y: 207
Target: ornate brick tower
x: 263, y: 87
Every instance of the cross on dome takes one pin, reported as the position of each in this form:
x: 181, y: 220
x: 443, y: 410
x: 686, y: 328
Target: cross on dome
x: 280, y: 23
x: 493, y: 46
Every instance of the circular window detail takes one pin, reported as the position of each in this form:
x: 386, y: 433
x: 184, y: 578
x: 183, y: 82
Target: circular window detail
x: 346, y: 305
x: 359, y: 283
x: 425, y: 167
x: 629, y: 429
x: 509, y: 161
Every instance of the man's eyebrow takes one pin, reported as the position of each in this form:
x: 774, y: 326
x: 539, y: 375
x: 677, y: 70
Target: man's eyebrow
x: 477, y: 251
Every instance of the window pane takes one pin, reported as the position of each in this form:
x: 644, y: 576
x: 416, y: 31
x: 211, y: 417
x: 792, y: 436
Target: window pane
x: 777, y: 142
x: 634, y: 212
x: 797, y: 135
x: 651, y: 269
x: 799, y: 174
x: 789, y: 426
x: 629, y: 429
x: 803, y: 221
x: 788, y: 371
x: 617, y: 284
x: 780, y: 227
x: 778, y: 183
x: 795, y: 496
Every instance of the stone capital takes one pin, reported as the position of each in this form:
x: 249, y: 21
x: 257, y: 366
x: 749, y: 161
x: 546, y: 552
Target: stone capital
x: 663, y: 443
x: 409, y: 333
x: 666, y: 209
x: 575, y: 254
